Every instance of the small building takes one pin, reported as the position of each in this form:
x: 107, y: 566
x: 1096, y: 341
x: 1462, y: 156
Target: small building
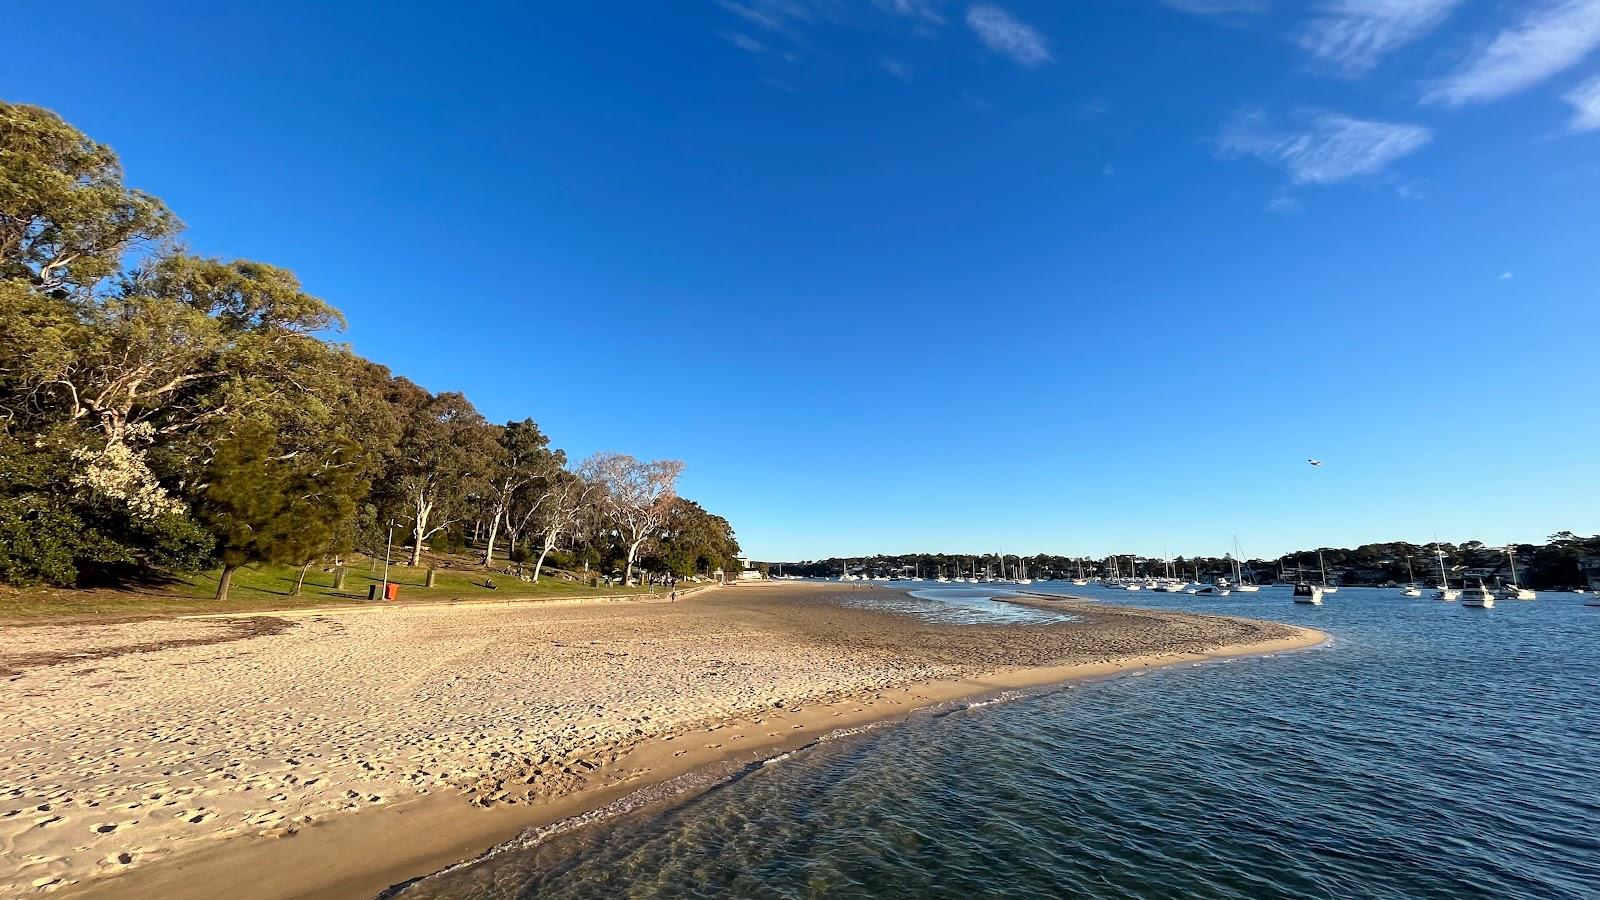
x: 1589, y: 571
x: 749, y: 571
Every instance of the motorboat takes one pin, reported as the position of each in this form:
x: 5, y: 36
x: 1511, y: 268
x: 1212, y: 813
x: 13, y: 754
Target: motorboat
x: 1306, y: 592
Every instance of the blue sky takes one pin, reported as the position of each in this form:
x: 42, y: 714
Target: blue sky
x: 1076, y: 276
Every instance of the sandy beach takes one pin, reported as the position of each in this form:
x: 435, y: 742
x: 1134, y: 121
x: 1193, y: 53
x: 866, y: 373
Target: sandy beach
x: 331, y: 753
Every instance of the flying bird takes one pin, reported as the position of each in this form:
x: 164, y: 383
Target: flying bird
x: 1314, y: 462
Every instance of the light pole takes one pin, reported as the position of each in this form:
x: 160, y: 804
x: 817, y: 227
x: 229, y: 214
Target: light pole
x: 387, y: 548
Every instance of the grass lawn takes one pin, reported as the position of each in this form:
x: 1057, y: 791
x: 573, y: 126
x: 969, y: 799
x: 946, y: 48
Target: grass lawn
x: 270, y: 587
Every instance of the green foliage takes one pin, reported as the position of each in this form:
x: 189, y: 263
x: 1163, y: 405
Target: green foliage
x: 447, y: 540
x: 264, y: 505
x: 66, y: 218
x: 160, y: 410
x: 50, y: 532
x: 697, y: 541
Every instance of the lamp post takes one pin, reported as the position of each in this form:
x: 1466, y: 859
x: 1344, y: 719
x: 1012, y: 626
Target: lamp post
x: 388, y: 547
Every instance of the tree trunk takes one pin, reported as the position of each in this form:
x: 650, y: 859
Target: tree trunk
x: 423, y: 510
x: 301, y: 581
x: 549, y: 542
x: 225, y: 582
x: 494, y: 531
x: 627, y: 571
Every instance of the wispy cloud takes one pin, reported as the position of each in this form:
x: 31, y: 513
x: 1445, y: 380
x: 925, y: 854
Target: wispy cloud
x: 1552, y: 38
x: 1353, y: 36
x: 1506, y: 276
x: 743, y: 41
x: 1585, y: 100
x: 898, y: 69
x: 1283, y: 204
x: 1003, y: 34
x: 772, y: 15
x: 930, y: 11
x: 1218, y: 7
x: 1332, y: 148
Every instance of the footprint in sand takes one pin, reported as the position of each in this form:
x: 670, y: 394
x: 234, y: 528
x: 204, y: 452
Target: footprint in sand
x: 712, y: 746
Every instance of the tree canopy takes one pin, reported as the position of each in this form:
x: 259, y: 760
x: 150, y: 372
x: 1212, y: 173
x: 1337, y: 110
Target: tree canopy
x: 160, y: 409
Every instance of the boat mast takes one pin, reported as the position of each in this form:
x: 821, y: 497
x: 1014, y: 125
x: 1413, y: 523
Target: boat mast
x: 1323, y: 567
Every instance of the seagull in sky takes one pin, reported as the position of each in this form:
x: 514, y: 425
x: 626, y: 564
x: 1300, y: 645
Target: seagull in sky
x: 1315, y: 462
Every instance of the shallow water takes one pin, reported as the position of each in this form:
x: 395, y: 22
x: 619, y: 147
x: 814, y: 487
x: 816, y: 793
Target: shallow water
x: 1429, y: 751
x: 958, y: 606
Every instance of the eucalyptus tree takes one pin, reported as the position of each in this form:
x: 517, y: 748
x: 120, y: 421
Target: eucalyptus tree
x: 521, y: 460
x: 636, y: 497
x: 567, y: 496
x: 442, y: 457
x: 695, y: 538
x: 66, y: 218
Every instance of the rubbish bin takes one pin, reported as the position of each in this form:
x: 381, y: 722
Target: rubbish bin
x: 392, y: 592
x: 372, y: 592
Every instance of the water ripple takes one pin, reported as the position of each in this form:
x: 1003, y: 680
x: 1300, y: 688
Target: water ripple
x: 1427, y: 754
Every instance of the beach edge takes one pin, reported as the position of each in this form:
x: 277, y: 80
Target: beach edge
x: 366, y: 854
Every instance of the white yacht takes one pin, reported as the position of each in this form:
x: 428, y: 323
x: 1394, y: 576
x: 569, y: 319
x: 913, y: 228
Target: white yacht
x: 1081, y: 580
x: 1411, y: 588
x: 1514, y: 590
x: 1239, y: 582
x: 1445, y: 592
x: 1480, y: 597
x: 1326, y: 588
x: 1306, y: 592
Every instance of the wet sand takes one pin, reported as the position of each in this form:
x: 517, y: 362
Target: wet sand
x: 336, y: 752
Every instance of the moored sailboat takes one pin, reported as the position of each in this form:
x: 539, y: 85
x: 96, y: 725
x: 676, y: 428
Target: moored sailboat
x: 1514, y: 590
x: 1411, y: 588
x: 1478, y: 597
x: 1445, y: 592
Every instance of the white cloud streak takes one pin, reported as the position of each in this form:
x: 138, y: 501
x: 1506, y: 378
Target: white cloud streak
x: 772, y: 15
x: 1005, y: 35
x: 927, y: 10
x: 1551, y: 39
x: 743, y: 41
x: 1585, y: 100
x: 1218, y: 7
x: 1333, y: 148
x: 1353, y: 36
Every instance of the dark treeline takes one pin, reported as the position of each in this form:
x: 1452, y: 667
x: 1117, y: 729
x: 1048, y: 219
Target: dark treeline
x: 1566, y: 560
x: 164, y: 411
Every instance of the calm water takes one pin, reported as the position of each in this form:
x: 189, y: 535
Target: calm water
x: 1430, y: 751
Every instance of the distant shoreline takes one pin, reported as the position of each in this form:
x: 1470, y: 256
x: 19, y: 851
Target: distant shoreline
x: 364, y: 853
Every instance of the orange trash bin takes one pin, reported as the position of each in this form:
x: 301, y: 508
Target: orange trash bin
x: 391, y: 592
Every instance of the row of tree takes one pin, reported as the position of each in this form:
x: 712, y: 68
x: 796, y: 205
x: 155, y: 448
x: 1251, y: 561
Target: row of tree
x: 163, y: 411
x: 1556, y: 563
